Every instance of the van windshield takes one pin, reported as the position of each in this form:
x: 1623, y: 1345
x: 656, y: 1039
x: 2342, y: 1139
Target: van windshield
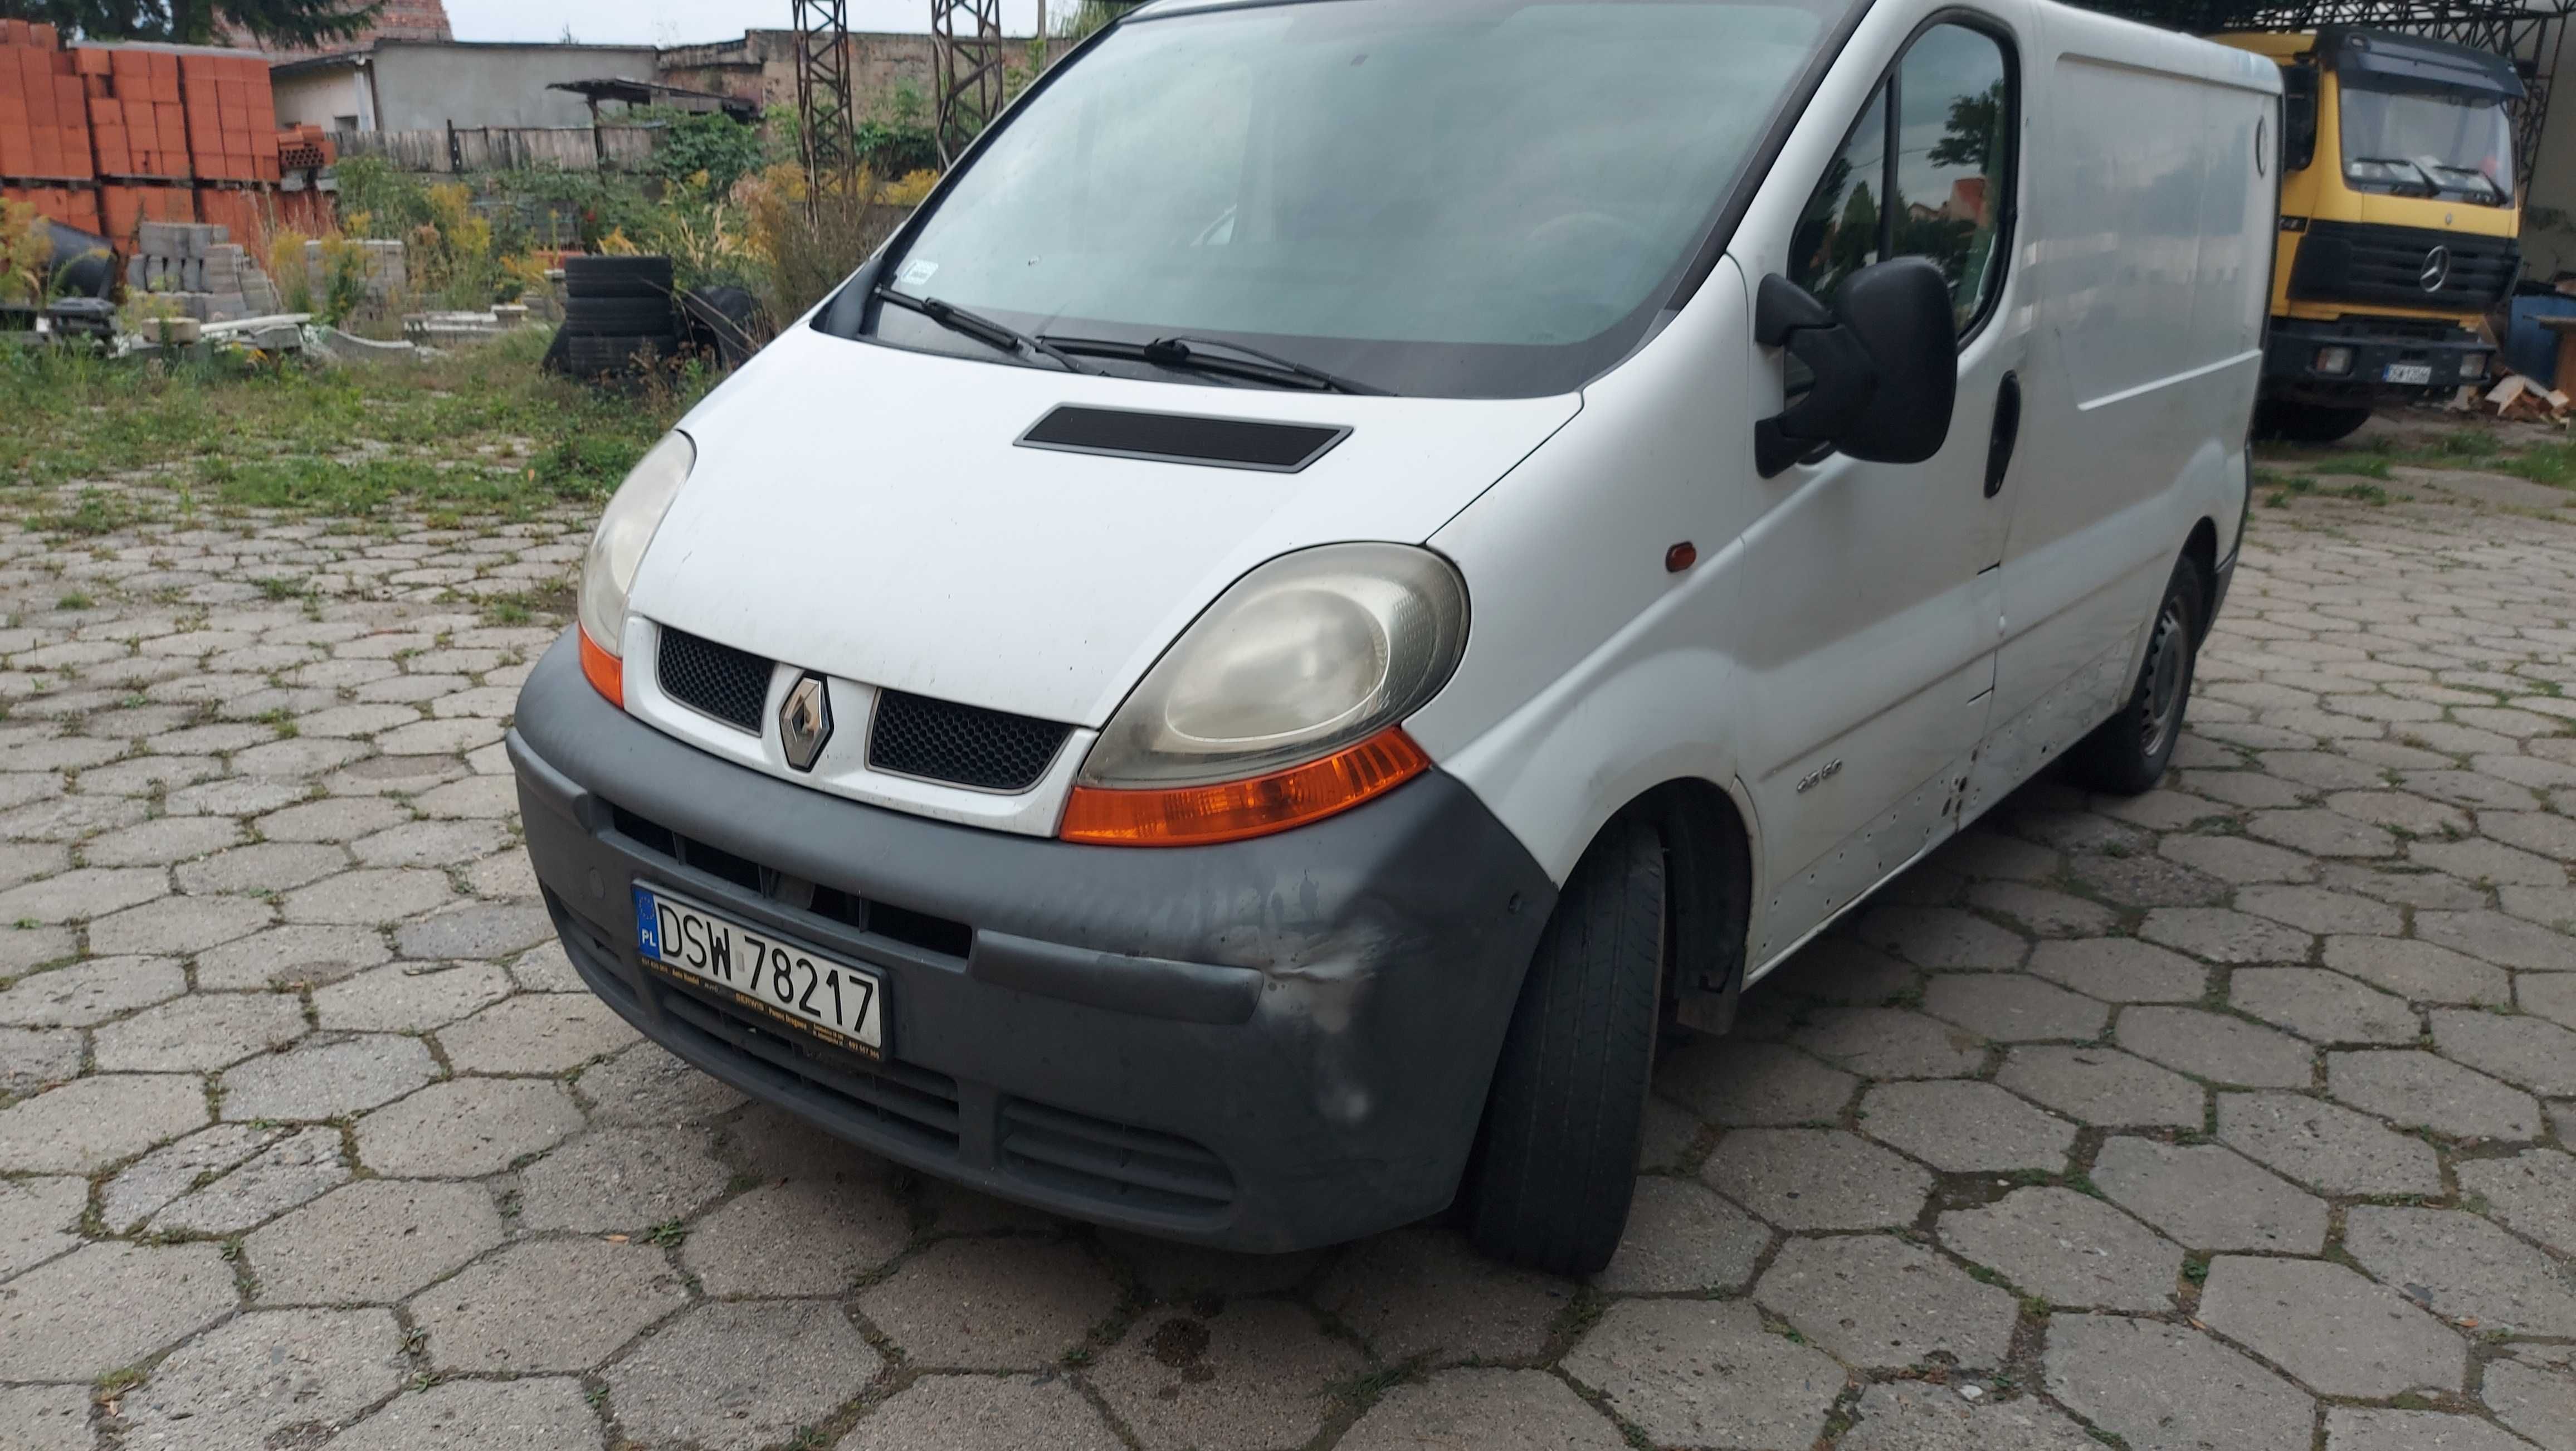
x: 2419, y: 143
x: 1454, y: 197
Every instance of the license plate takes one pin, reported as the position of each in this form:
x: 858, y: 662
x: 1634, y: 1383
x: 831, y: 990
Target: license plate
x: 781, y: 980
x: 2414, y: 373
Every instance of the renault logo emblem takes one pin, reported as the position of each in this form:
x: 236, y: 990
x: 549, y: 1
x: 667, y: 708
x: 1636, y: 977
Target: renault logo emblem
x: 805, y: 721
x: 2436, y: 269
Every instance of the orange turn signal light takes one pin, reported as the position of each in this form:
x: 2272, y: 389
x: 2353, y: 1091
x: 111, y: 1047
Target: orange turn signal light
x: 1234, y: 810
x: 604, y: 671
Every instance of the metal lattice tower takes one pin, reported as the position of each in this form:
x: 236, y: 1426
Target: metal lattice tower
x: 826, y: 123
x: 968, y: 68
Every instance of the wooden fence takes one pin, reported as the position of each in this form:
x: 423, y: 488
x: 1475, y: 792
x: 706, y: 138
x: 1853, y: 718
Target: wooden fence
x: 508, y: 148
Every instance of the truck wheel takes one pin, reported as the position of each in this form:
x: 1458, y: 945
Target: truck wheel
x: 2127, y: 754
x: 1556, y: 1162
x: 2309, y: 422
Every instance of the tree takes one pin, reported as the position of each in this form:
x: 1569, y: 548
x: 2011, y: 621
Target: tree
x: 1970, y: 136
x: 194, y: 22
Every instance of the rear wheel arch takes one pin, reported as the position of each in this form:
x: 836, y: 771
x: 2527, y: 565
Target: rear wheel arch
x: 2202, y: 550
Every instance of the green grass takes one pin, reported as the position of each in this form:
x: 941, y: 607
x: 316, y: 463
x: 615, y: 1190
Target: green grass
x: 474, y: 433
x: 2553, y: 464
x: 2367, y: 466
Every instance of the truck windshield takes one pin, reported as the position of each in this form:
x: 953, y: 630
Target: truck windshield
x: 1451, y: 197
x: 2424, y: 144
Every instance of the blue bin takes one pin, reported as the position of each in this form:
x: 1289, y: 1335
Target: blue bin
x: 2529, y: 348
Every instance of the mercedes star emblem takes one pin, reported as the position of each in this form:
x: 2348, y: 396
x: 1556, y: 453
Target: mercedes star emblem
x: 2436, y: 269
x: 805, y: 721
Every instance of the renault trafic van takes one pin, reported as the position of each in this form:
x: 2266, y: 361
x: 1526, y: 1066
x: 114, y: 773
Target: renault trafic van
x: 1358, y: 556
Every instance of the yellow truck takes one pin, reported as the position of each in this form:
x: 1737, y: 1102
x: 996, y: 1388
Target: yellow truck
x: 2398, y: 222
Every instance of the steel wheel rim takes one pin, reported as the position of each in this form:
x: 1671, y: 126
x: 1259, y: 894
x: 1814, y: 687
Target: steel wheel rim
x: 2166, y: 658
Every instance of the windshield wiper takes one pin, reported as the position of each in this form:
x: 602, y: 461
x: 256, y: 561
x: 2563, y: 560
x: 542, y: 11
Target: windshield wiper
x: 982, y: 329
x: 1184, y: 352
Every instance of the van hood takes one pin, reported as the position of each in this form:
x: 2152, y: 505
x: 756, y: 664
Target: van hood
x: 864, y: 511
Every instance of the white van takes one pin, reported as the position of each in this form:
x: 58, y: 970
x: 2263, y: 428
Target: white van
x: 1357, y: 556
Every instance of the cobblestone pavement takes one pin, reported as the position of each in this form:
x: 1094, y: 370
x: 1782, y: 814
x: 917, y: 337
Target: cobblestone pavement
x: 2235, y: 1115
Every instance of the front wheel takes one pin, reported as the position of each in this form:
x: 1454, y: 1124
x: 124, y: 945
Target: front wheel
x: 2128, y: 753
x: 2294, y: 422
x: 1556, y: 1162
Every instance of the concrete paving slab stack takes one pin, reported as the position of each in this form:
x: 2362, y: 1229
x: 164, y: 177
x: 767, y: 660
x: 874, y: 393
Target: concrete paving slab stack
x: 200, y: 269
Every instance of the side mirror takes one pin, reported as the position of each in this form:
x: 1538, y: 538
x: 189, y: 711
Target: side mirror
x: 2298, y: 116
x: 1885, y: 358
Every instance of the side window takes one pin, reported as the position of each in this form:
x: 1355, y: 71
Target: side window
x: 1954, y: 145
x: 1925, y: 172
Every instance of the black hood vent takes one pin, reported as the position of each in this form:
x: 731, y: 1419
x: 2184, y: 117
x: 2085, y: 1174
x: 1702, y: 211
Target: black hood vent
x: 1233, y: 443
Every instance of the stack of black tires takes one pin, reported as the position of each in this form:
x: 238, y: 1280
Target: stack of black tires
x: 619, y: 316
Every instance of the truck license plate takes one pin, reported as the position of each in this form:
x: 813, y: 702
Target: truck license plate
x: 841, y: 1004
x: 2415, y: 374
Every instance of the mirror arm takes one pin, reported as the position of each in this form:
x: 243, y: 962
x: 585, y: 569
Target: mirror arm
x: 1788, y: 316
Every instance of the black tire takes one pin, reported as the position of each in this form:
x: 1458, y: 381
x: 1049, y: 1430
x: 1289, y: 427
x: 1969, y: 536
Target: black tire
x: 1556, y: 1161
x: 621, y: 317
x: 617, y: 277
x: 2128, y: 753
x: 2309, y: 422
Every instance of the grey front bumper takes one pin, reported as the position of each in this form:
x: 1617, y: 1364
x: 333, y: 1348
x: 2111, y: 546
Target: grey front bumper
x: 1262, y: 1045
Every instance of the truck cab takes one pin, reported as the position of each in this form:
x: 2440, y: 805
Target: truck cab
x: 2398, y: 222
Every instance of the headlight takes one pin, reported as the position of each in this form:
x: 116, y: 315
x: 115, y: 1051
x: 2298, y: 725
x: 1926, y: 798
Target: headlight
x: 2334, y: 360
x: 1279, y: 704
x: 617, y: 549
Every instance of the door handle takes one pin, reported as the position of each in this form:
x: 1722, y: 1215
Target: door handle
x: 1999, y: 445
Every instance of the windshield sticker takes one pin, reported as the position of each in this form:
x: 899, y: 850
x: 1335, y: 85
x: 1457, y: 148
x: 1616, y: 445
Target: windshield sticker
x: 916, y: 273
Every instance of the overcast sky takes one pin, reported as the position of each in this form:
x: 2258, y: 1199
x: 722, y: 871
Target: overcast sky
x: 679, y: 22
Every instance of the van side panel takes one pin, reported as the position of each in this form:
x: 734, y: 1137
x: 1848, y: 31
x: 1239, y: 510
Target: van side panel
x: 2147, y: 231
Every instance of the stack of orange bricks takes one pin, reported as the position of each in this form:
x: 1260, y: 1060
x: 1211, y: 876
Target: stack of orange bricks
x: 108, y: 137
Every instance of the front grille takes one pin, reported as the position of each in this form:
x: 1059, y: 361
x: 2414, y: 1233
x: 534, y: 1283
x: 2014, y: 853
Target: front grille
x: 913, y: 929
x: 718, y: 680
x: 1129, y: 1167
x: 963, y: 745
x: 2367, y: 262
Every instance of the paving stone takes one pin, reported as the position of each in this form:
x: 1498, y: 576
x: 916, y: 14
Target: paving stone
x: 2224, y: 935
x: 90, y: 992
x: 327, y: 1078
x: 2420, y: 971
x: 2321, y: 1006
x: 269, y: 1379
x: 410, y: 997
x: 2103, y: 1086
x: 373, y: 1241
x: 369, y: 897
x: 1891, y: 1043
x: 338, y: 820
x: 298, y: 1167
x: 1734, y: 1081
x: 2321, y: 833
x: 1252, y: 1376
x: 430, y: 843
x: 2043, y: 911
x: 2533, y: 1191
x: 2208, y: 1197
x: 2215, y: 1046
x: 177, y: 924
x: 2488, y: 862
x: 39, y: 1219
x: 709, y: 1379
x: 158, y: 843
x: 1004, y: 1304
x: 32, y: 1059
x: 1878, y: 1301
x: 646, y: 1084
x: 1960, y: 1127
x: 265, y: 866
x: 2121, y: 970
x: 2414, y: 1089
x: 1916, y: 1416
x: 2239, y: 859
x: 841, y: 1232
x: 494, y: 796
x: 466, y: 1127
x: 1816, y: 1179
x: 2537, y: 1054
x: 46, y: 1418
x: 1705, y: 1373
x: 2165, y: 1387
x: 2322, y: 910
x: 2338, y: 1333
x: 622, y: 1178
x: 2366, y: 1428
x: 82, y: 893
x: 2136, y: 879
x: 555, y: 1304
x: 2503, y: 941
x: 1682, y: 1237
x: 2010, y: 1008
x: 2326, y: 1147
x: 2533, y: 1390
x: 2069, y: 1249
x: 107, y: 1306
x: 1424, y: 1292
x: 1940, y: 937
x: 536, y: 1033
x: 983, y: 1413
x: 158, y: 1179
x: 199, y: 1032
x: 1483, y: 1410
x: 534, y: 1414
x: 482, y: 929
x: 87, y: 1124
x: 2462, y: 1268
